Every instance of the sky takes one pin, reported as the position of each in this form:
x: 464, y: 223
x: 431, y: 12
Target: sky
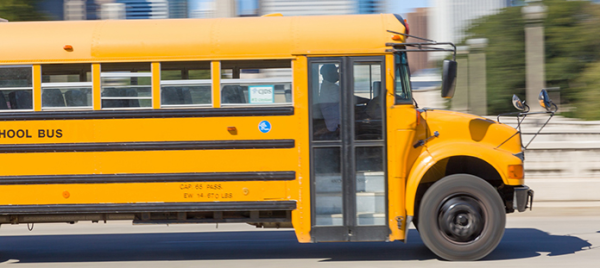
x: 396, y: 6
x: 405, y: 6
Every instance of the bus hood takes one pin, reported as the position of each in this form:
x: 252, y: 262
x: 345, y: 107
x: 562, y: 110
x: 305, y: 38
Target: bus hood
x: 460, y: 127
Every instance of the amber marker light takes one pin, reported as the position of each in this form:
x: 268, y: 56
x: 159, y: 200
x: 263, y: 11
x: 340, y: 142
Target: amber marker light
x: 515, y: 172
x: 396, y: 37
x: 232, y: 130
x: 68, y: 48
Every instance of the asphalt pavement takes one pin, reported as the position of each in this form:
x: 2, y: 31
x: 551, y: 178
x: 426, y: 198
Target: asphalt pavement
x: 546, y: 237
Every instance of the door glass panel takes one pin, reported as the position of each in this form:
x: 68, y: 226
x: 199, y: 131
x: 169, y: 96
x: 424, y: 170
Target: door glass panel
x: 368, y: 101
x: 370, y: 186
x: 326, y: 96
x: 328, y: 186
x: 347, y: 162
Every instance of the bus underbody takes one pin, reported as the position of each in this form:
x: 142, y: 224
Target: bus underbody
x: 258, y: 218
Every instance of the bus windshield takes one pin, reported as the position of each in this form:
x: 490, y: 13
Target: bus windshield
x: 402, y: 83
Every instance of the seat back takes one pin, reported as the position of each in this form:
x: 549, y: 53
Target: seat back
x: 75, y: 97
x: 52, y: 97
x: 232, y: 94
x: 3, y: 103
x: 119, y: 92
x: 20, y: 99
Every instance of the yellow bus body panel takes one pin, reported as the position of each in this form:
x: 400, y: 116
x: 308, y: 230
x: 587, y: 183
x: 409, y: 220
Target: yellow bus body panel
x: 198, y: 39
x: 152, y: 129
x: 122, y: 193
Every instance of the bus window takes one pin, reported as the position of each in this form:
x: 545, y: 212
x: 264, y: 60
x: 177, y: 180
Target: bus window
x: 126, y: 85
x: 185, y: 84
x: 402, y: 83
x: 264, y: 82
x: 66, y: 86
x: 326, y: 98
x: 329, y: 209
x: 368, y: 100
x: 16, y: 86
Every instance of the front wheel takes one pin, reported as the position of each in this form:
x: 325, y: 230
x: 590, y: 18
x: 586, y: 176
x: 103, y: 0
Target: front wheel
x: 461, y: 218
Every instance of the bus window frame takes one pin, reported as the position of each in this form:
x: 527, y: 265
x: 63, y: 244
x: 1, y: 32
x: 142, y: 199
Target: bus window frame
x: 124, y: 74
x: 67, y: 85
x: 237, y: 65
x: 32, y: 88
x: 184, y: 82
x: 403, y: 76
x: 191, y: 82
x: 258, y: 81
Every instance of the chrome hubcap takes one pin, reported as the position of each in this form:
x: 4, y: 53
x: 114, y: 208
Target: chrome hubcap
x: 460, y: 219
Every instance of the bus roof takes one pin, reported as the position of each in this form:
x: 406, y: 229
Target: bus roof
x: 194, y: 39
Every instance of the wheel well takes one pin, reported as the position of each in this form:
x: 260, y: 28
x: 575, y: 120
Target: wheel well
x: 462, y: 165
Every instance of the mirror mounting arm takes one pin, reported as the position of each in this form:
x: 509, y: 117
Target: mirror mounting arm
x: 520, y: 118
x: 540, y: 130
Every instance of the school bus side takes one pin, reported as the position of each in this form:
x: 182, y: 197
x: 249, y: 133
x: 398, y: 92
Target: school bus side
x: 164, y: 122
x: 106, y: 158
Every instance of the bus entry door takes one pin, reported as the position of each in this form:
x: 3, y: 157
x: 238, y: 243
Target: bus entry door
x: 348, y: 153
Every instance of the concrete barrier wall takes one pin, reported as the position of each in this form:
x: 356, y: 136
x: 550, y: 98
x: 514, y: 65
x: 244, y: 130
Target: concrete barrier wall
x: 562, y: 164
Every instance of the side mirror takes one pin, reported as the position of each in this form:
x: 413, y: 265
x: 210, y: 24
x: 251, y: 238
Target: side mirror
x: 448, y: 79
x: 546, y: 102
x: 519, y: 104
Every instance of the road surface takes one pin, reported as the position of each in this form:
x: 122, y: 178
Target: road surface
x: 542, y: 239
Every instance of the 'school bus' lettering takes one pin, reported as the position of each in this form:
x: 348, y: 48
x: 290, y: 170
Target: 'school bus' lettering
x: 303, y: 122
x: 26, y: 134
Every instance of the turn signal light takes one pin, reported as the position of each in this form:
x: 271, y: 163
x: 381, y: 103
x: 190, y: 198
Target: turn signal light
x: 68, y: 48
x: 396, y: 37
x: 515, y: 172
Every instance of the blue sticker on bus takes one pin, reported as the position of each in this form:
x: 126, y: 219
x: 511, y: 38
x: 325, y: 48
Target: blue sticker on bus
x: 264, y: 126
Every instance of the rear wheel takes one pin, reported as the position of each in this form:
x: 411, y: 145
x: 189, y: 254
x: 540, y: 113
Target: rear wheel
x: 461, y: 218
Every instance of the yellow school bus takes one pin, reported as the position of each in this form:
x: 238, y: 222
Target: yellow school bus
x: 303, y: 122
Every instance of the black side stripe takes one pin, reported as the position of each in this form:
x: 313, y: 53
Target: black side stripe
x: 146, y: 146
x: 146, y: 207
x: 149, y: 178
x: 146, y: 113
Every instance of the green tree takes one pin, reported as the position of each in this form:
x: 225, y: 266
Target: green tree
x: 20, y: 10
x: 505, y: 56
x: 572, y: 42
x: 588, y: 95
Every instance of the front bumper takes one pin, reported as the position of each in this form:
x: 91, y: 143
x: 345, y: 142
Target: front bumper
x: 523, y: 198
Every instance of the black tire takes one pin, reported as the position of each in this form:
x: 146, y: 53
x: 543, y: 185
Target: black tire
x: 461, y: 218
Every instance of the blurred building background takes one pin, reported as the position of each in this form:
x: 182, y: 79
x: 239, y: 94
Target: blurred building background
x: 449, y: 19
x: 178, y: 9
x: 213, y: 9
x: 155, y: 9
x: 113, y: 9
x: 145, y: 9
x: 316, y: 7
x: 417, y: 21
